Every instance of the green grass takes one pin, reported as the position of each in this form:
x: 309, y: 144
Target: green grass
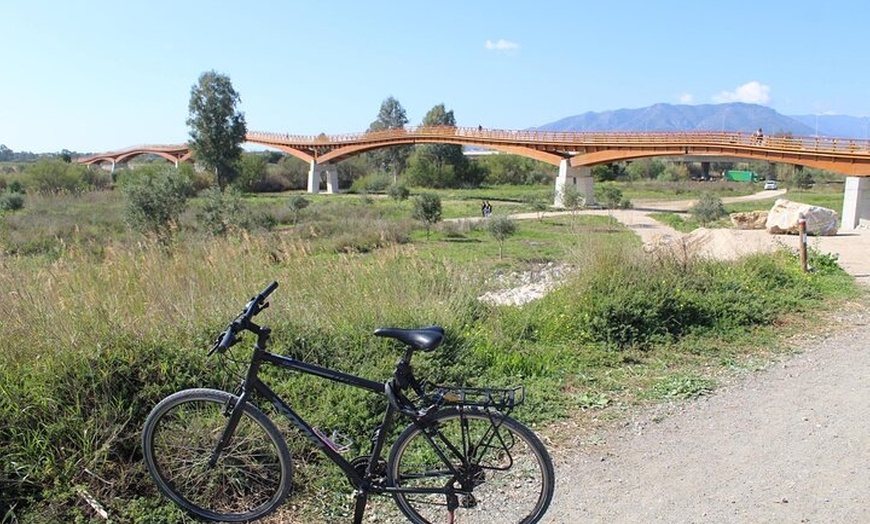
x: 95, y: 337
x: 685, y: 190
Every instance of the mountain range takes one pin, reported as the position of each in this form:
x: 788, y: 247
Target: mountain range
x: 734, y: 116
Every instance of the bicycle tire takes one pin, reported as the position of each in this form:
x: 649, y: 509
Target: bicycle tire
x: 253, y: 474
x: 507, y: 470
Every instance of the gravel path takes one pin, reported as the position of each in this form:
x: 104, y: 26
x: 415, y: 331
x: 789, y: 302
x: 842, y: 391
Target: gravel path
x: 786, y: 445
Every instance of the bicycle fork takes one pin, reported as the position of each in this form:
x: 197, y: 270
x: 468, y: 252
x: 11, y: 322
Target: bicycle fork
x: 235, y: 411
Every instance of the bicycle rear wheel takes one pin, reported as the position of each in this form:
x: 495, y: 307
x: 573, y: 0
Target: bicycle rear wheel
x: 252, y: 476
x: 499, y: 471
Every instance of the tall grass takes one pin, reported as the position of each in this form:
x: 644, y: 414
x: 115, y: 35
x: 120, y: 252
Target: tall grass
x: 99, y: 343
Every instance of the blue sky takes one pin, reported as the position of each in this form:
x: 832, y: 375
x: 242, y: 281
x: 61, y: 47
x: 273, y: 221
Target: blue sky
x: 100, y: 75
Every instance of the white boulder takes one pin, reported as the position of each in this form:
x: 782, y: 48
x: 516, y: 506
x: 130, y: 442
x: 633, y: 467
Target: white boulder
x: 783, y: 218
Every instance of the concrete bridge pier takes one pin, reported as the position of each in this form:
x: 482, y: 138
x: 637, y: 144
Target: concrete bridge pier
x: 577, y: 177
x: 331, y: 178
x: 314, y: 172
x: 856, y: 202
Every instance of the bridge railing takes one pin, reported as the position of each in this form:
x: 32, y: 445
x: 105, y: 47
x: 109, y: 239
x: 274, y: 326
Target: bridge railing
x: 577, y: 138
x: 554, y: 140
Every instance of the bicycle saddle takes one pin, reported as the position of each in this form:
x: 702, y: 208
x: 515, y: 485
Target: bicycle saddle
x: 425, y: 339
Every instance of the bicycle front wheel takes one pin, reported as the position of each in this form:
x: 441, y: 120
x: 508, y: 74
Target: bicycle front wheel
x: 252, y: 475
x: 494, y: 469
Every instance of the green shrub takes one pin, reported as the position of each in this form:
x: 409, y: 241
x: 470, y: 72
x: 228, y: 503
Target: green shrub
x: 708, y: 208
x: 57, y: 176
x: 10, y: 201
x: 642, y: 303
x: 297, y: 203
x: 372, y: 183
x: 15, y: 186
x: 223, y: 211
x: 154, y: 203
x: 398, y: 192
x: 73, y: 420
x: 611, y: 197
x: 572, y: 198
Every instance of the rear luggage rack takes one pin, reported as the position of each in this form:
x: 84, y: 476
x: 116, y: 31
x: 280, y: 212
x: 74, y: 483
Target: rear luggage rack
x: 501, y: 399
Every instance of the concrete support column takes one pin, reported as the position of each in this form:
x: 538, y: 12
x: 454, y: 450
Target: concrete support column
x: 856, y: 202
x: 578, y: 177
x: 314, y: 177
x: 314, y: 172
x: 331, y: 178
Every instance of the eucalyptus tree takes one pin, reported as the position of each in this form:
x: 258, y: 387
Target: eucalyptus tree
x: 442, y: 165
x: 443, y: 154
x: 217, y: 128
x: 394, y: 159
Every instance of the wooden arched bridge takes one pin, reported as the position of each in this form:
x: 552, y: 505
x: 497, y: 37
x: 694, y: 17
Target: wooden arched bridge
x: 573, y: 152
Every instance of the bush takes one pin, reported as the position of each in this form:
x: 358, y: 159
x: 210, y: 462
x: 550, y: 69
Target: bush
x: 398, y: 192
x: 297, y: 203
x: 11, y: 201
x: 373, y: 183
x: 708, y: 208
x: 81, y: 420
x: 611, y: 197
x: 423, y: 171
x: 620, y: 302
x: 274, y: 182
x: 572, y: 198
x: 221, y: 211
x: 15, y: 186
x: 803, y: 179
x: 57, y: 176
x: 155, y: 201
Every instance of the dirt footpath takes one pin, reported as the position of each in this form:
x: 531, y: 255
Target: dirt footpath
x: 789, y: 444
x: 851, y: 247
x: 786, y: 445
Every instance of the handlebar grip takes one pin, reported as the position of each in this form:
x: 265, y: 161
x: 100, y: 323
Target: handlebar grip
x: 269, y: 289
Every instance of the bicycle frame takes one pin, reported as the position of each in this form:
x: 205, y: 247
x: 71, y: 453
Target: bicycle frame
x: 362, y: 483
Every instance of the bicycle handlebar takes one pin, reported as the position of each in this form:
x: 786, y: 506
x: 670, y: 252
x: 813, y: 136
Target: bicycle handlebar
x: 227, y: 338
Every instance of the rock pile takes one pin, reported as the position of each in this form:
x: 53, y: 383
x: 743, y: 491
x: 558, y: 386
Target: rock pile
x: 526, y: 286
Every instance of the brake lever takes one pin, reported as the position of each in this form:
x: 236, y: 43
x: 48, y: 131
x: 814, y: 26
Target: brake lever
x: 216, y: 344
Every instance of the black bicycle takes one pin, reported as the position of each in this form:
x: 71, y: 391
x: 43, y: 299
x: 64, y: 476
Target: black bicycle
x: 461, y: 459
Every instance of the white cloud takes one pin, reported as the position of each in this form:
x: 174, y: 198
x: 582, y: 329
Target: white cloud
x: 687, y: 98
x: 751, y: 92
x: 501, y: 45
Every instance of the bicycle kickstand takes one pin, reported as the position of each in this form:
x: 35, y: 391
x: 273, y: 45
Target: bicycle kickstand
x: 359, y: 506
x: 452, y: 504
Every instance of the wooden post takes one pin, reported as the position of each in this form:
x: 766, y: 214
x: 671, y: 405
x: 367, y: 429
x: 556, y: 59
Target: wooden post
x: 802, y: 230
